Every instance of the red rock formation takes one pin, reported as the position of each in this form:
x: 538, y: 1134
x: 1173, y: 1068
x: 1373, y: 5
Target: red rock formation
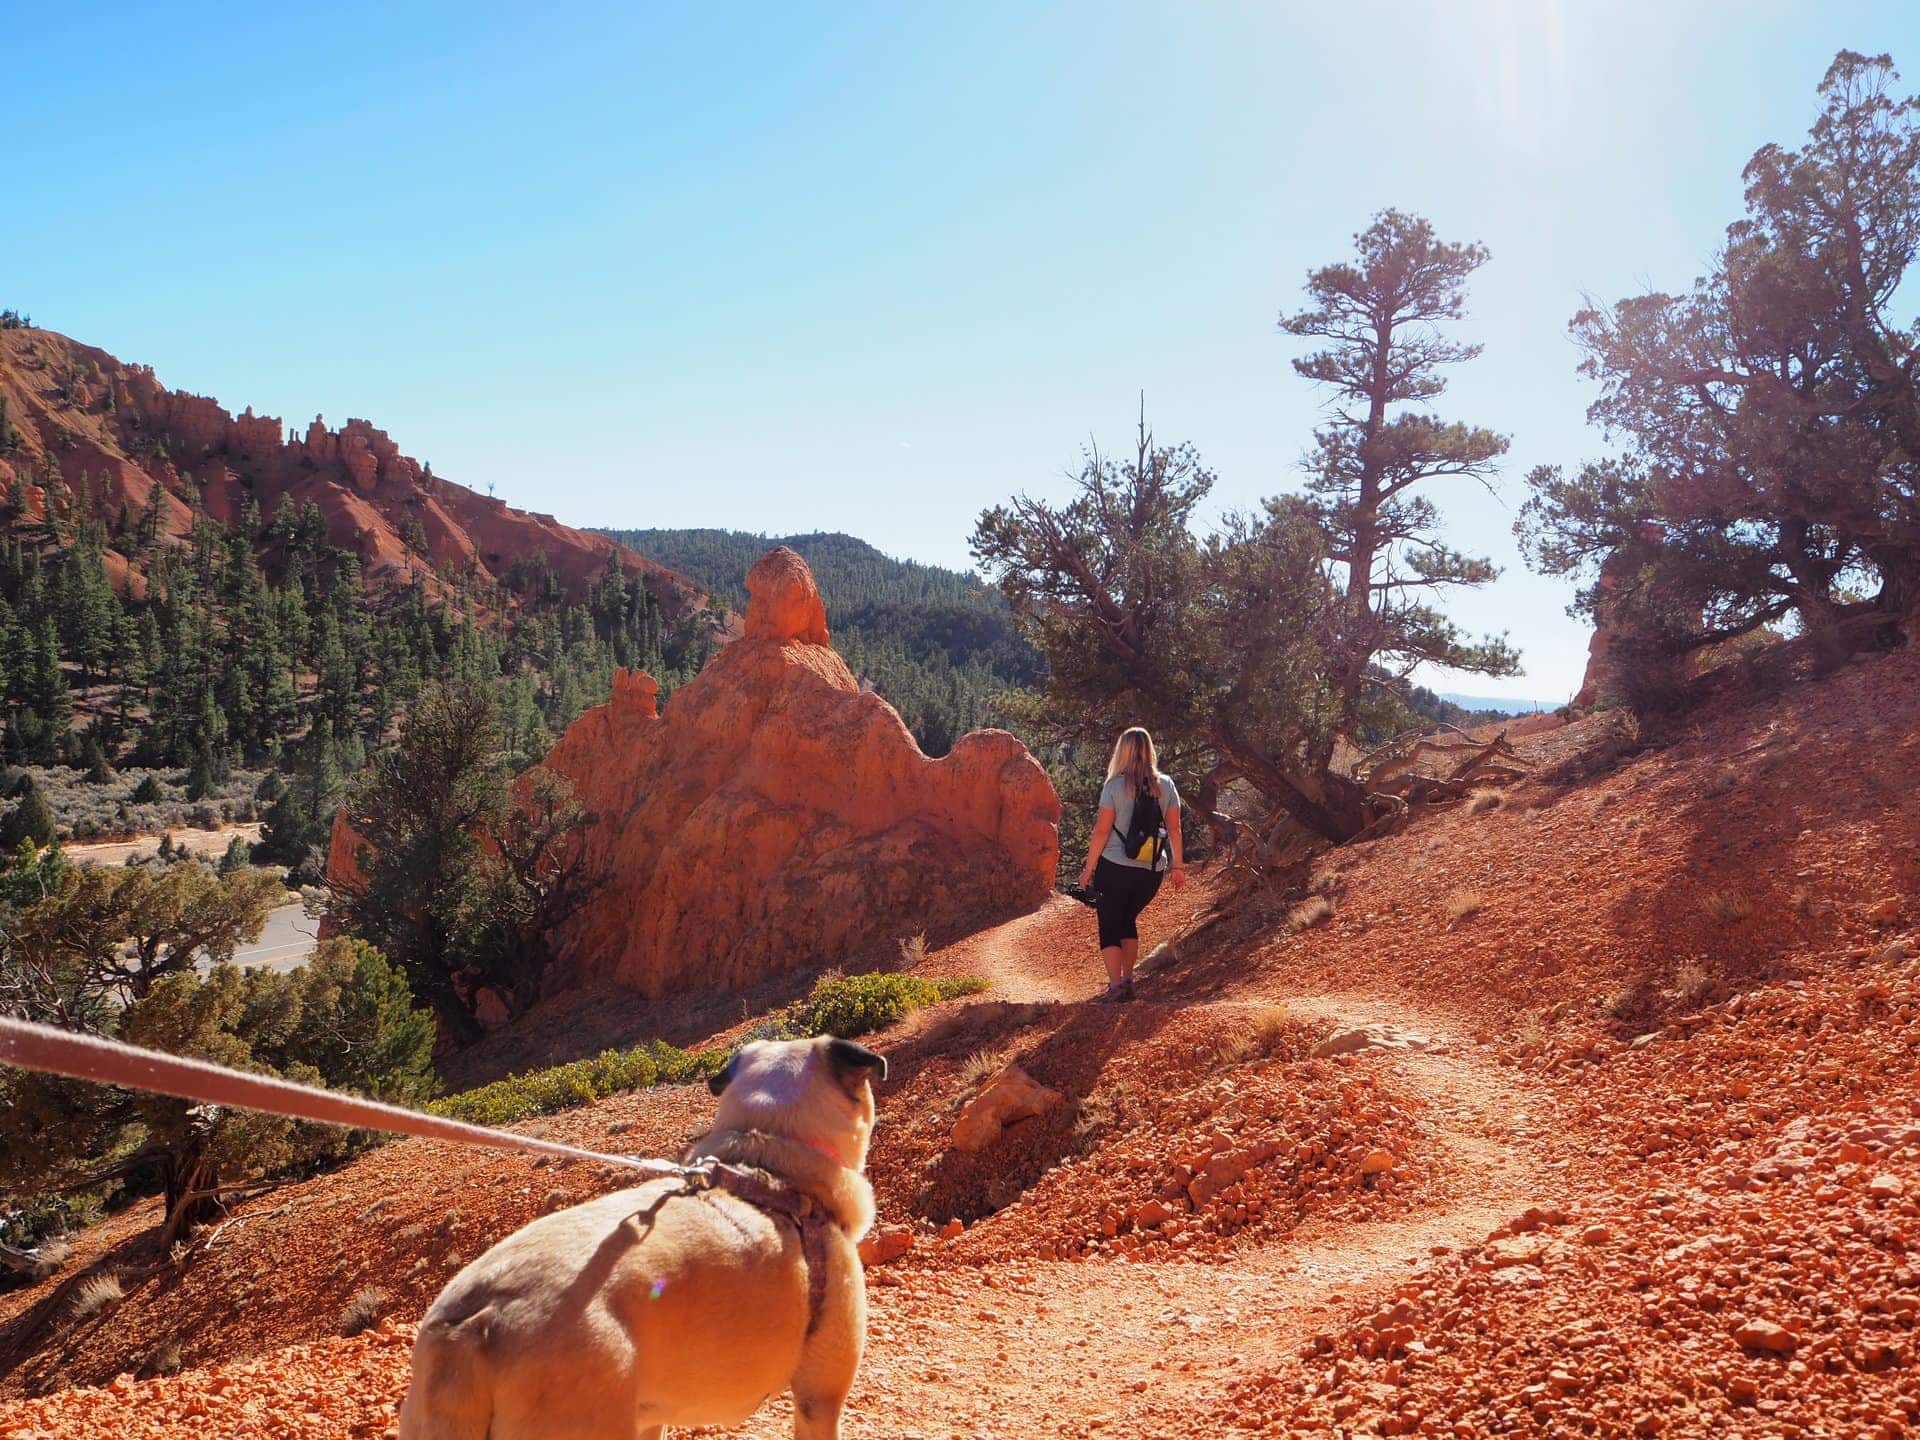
x: 115, y: 430
x: 1608, y: 679
x: 778, y: 816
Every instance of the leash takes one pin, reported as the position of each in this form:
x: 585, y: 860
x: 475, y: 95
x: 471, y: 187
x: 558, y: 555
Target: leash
x: 52, y: 1051
x: 28, y: 1046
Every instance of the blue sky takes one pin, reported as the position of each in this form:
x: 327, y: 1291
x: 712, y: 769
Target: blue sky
x: 872, y: 268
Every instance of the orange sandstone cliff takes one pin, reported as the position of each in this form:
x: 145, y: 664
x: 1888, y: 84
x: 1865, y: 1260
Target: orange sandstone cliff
x: 777, y: 815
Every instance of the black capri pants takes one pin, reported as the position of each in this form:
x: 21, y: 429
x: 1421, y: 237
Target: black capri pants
x: 1124, y: 893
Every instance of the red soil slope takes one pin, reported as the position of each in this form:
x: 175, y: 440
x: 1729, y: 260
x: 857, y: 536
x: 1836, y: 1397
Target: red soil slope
x: 1658, y: 1171
x: 120, y: 440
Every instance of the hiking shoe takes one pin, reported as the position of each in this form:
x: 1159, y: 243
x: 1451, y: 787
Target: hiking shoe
x: 1122, y: 992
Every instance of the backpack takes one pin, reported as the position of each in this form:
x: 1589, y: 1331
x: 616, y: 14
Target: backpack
x: 1146, y: 837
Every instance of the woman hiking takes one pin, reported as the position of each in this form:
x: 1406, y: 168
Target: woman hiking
x: 1135, y: 839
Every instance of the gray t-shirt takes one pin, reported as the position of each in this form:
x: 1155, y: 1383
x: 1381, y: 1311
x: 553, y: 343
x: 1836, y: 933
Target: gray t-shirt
x: 1117, y: 795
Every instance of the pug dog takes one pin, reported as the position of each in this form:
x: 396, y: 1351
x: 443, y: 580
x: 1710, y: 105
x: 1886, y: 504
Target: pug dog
x: 681, y: 1301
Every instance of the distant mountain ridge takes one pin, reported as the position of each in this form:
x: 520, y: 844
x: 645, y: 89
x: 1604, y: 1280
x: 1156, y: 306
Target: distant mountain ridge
x: 1499, y: 704
x: 82, y: 432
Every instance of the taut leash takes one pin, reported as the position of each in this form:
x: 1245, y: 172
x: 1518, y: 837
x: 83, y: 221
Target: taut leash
x: 52, y: 1051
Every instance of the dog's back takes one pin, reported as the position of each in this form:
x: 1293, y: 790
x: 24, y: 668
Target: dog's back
x: 613, y: 1317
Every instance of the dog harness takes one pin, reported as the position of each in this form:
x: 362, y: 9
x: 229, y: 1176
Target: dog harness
x: 778, y: 1200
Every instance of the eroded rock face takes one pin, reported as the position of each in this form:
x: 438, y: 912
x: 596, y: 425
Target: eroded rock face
x: 134, y: 445
x: 776, y: 816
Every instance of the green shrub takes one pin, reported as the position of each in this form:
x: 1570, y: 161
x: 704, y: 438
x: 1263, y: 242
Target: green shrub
x: 853, y: 1005
x: 843, y: 1005
x: 541, y: 1092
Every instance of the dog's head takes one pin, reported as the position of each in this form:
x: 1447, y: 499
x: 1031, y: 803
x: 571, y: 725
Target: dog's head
x: 819, y: 1092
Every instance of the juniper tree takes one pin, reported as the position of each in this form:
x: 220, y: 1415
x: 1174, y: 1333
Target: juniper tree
x: 1771, y: 414
x: 1384, y: 317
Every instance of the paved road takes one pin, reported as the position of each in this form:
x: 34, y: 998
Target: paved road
x: 286, y: 942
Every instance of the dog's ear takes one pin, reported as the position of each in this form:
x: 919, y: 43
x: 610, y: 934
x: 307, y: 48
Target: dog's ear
x: 718, y: 1083
x: 853, y: 1064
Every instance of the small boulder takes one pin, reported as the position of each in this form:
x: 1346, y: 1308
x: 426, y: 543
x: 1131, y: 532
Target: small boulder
x: 1887, y: 910
x: 1765, y: 1335
x: 889, y: 1242
x: 1009, y: 1096
x: 1370, y: 1037
x: 1153, y: 1214
x: 1886, y: 1187
x: 1518, y: 1250
x: 1377, y: 1162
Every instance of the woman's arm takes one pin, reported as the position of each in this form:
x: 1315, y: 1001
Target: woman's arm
x: 1179, y: 850
x: 1102, y: 827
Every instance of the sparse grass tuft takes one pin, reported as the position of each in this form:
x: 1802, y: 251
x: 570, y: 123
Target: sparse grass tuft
x: 1722, y: 782
x: 97, y: 1293
x: 1482, y: 801
x: 363, y: 1312
x: 1315, y: 910
x: 163, y: 1359
x: 1694, y: 983
x: 1269, y: 1031
x: 979, y: 1065
x: 1092, y: 1117
x: 1805, y: 902
x: 1727, y: 907
x: 913, y: 950
x: 1270, y: 1026
x: 1630, y: 1002
x: 1462, y: 904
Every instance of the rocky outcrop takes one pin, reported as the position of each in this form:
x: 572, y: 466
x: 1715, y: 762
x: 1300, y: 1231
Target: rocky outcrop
x: 1612, y: 657
x: 110, y: 434
x: 1009, y: 1096
x: 777, y: 816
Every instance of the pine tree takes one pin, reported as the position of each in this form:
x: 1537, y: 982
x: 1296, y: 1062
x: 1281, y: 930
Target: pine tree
x: 238, y: 856
x: 99, y: 772
x: 31, y: 819
x: 300, y: 822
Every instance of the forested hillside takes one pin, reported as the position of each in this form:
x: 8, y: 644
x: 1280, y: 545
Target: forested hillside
x: 185, y: 595
x: 939, y: 645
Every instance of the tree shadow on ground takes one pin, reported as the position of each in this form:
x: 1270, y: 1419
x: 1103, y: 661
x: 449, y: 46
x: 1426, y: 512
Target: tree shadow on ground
x: 1790, y: 813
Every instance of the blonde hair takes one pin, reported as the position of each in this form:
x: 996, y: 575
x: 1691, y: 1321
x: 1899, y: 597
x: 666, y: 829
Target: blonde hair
x: 1134, y: 757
